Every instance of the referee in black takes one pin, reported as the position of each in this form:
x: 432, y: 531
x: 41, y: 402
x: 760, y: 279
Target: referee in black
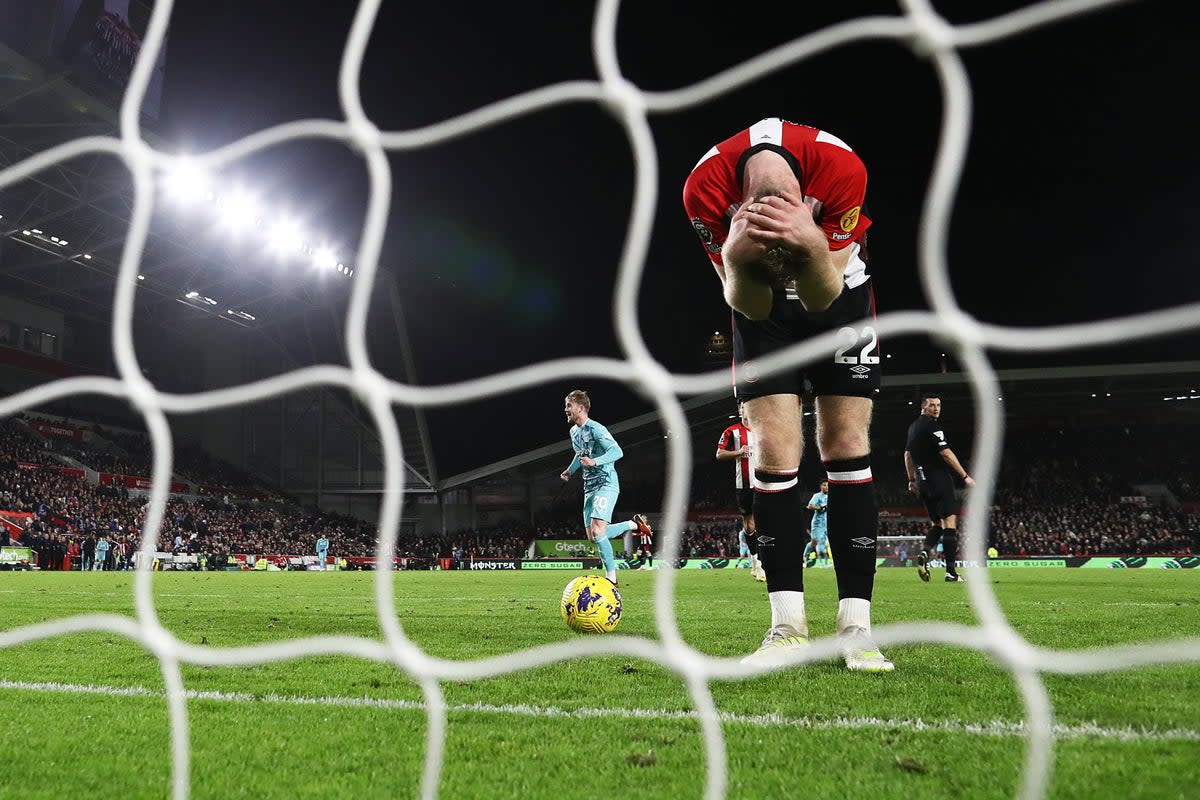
x: 932, y: 471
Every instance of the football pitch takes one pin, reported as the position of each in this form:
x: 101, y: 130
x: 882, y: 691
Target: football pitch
x: 85, y: 714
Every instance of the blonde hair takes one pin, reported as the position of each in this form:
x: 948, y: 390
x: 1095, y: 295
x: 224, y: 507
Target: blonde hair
x: 580, y: 397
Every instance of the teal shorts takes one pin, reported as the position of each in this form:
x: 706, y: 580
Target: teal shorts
x: 599, y: 505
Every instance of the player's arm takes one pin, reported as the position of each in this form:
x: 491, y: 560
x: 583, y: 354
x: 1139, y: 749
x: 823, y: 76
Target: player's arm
x: 911, y: 469
x: 610, y: 455
x: 785, y: 222
x: 746, y: 289
x: 572, y: 468
x: 725, y: 452
x: 952, y: 461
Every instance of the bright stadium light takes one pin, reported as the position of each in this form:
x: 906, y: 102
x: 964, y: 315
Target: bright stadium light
x: 192, y: 295
x: 325, y: 258
x: 285, y: 238
x: 239, y: 210
x: 185, y: 182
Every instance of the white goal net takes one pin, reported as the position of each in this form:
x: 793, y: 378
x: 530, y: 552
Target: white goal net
x: 917, y: 27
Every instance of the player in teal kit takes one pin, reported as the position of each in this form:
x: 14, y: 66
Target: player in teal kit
x: 819, y: 529
x: 596, y: 451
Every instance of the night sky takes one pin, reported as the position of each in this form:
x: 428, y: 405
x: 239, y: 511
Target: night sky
x: 1078, y: 200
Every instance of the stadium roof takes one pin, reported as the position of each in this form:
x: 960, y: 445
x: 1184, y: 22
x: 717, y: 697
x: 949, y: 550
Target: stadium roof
x: 63, y: 229
x: 1043, y: 396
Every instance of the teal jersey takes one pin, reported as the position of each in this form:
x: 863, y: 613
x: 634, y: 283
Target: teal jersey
x: 594, y: 441
x: 821, y: 501
x: 322, y: 545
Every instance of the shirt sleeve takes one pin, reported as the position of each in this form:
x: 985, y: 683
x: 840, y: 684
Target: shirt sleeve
x: 842, y: 219
x: 939, y: 438
x: 702, y: 205
x: 612, y: 450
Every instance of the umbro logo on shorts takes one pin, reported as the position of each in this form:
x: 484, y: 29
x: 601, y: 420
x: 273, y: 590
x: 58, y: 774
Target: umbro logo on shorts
x: 863, y: 541
x: 764, y: 541
x: 860, y: 369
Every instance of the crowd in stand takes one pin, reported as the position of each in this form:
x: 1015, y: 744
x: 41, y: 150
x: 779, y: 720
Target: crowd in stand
x: 1042, y: 507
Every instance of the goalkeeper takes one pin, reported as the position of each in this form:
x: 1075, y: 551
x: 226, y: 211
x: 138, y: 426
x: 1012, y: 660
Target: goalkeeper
x: 596, y: 451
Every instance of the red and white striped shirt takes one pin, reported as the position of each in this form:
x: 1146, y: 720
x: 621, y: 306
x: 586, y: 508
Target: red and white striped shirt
x: 733, y: 438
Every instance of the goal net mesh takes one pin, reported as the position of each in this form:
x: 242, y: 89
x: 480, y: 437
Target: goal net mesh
x: 918, y: 28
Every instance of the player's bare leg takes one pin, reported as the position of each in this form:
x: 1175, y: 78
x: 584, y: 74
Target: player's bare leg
x: 775, y: 420
x: 842, y: 435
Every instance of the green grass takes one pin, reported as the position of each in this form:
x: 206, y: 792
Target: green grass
x: 818, y: 731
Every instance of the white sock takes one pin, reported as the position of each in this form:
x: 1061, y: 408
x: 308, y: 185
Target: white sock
x: 787, y: 608
x: 611, y: 574
x: 854, y: 612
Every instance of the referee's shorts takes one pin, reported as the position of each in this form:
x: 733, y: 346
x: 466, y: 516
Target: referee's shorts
x: 937, y: 493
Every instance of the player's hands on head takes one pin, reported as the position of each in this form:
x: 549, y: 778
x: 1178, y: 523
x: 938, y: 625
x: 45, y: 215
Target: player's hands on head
x: 740, y: 246
x: 783, y: 220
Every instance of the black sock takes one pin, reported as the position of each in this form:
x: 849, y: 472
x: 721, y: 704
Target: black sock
x: 931, y: 539
x: 950, y: 549
x: 778, y: 524
x: 853, y: 521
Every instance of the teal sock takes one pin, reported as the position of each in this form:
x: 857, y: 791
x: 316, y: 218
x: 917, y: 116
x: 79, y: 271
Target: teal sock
x: 619, y: 528
x: 606, y: 555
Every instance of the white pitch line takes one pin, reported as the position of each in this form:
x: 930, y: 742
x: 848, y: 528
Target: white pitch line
x: 997, y: 728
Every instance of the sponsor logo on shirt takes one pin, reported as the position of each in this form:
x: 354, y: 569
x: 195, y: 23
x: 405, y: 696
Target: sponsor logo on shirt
x: 841, y: 237
x: 705, y: 235
x: 849, y: 220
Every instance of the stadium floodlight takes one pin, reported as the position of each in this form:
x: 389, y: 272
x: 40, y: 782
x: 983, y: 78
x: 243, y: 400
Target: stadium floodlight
x: 239, y: 210
x: 87, y: 256
x: 325, y: 258
x: 192, y: 295
x: 141, y: 277
x: 285, y: 238
x: 185, y: 182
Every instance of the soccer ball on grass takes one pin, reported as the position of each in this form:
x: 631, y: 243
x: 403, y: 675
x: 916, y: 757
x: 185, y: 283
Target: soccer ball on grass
x: 591, y: 604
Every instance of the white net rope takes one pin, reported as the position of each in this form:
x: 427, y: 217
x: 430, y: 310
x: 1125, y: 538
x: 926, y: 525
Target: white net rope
x: 921, y: 29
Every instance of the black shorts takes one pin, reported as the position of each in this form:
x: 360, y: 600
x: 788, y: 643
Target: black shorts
x: 852, y: 371
x: 745, y: 501
x: 937, y: 493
